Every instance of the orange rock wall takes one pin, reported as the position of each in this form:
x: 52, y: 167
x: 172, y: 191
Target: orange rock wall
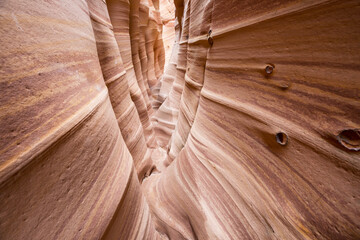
x: 249, y: 74
x: 74, y: 146
x: 185, y: 119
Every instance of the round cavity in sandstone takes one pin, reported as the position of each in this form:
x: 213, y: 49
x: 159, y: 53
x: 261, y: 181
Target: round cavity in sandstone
x: 281, y: 138
x: 269, y: 69
x: 350, y: 138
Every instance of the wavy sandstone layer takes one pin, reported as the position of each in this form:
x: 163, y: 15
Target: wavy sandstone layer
x: 184, y: 119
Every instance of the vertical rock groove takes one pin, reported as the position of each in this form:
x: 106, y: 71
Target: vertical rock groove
x: 179, y: 119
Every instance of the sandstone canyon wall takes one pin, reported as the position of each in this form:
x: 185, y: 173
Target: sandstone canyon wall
x: 184, y: 119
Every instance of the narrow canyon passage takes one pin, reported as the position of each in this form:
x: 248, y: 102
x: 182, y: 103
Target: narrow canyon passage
x: 180, y: 119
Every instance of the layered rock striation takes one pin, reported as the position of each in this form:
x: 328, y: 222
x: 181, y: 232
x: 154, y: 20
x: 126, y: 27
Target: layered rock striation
x: 184, y: 119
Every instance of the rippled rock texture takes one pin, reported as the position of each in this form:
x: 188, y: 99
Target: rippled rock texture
x: 185, y: 119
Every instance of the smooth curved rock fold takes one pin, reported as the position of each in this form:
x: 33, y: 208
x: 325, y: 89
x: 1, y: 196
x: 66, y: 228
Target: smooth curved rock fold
x: 179, y: 119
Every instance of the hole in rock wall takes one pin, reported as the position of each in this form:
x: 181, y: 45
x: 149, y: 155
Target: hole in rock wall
x: 281, y: 138
x: 350, y: 139
x: 269, y: 69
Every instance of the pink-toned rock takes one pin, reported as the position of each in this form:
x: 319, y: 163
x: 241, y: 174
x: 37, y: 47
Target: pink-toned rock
x: 268, y: 94
x: 185, y: 119
x: 114, y: 75
x: 65, y: 170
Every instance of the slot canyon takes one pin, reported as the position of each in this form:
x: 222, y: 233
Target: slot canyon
x: 180, y: 119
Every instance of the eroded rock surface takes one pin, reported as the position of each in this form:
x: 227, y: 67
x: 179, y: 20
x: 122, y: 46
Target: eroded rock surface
x: 185, y: 119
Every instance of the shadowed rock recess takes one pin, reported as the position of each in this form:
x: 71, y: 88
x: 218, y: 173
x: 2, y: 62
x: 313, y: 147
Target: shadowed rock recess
x: 179, y: 119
